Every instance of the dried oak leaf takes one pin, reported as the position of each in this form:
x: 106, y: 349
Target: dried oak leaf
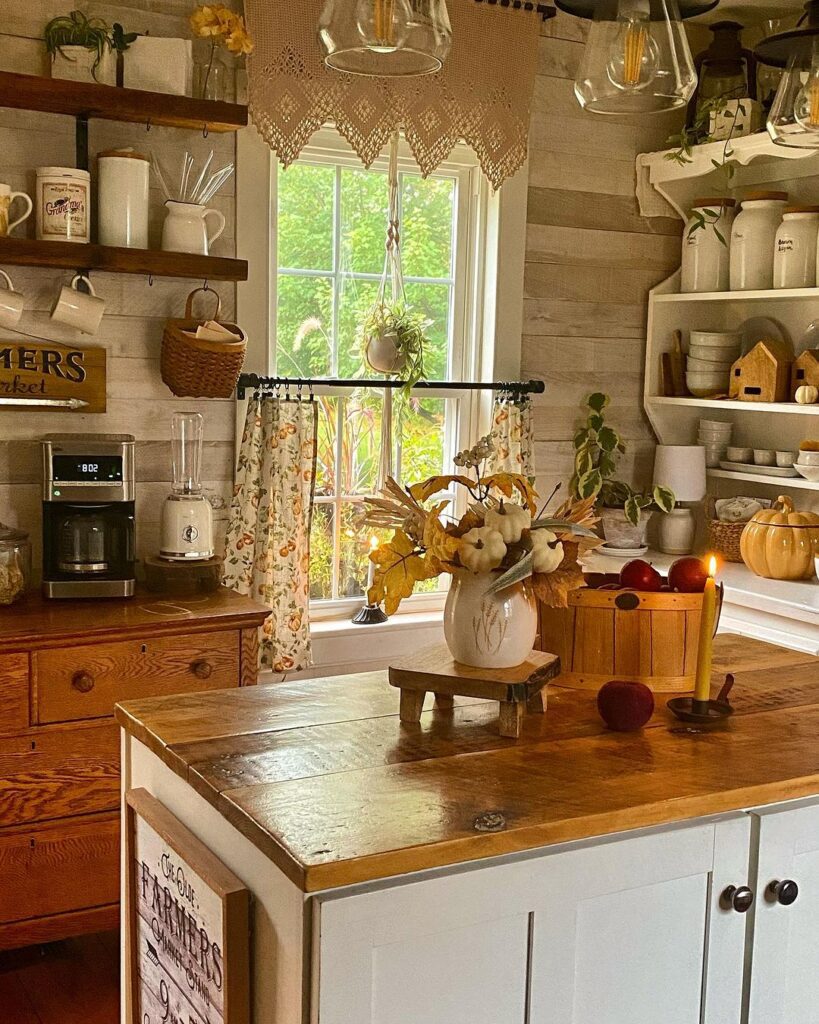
x: 399, y: 566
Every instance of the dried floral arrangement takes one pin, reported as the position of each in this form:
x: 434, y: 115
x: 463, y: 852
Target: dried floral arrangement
x: 221, y: 27
x: 501, y: 532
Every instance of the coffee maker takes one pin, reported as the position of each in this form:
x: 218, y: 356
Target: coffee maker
x: 88, y: 515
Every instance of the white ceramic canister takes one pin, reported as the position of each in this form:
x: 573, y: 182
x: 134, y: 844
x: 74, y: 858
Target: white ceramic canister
x: 752, y: 240
x: 63, y: 204
x: 705, y: 245
x: 795, y: 248
x: 123, y: 198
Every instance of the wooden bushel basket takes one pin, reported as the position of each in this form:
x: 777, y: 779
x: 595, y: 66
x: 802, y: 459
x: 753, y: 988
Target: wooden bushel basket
x: 624, y: 634
x: 195, y: 367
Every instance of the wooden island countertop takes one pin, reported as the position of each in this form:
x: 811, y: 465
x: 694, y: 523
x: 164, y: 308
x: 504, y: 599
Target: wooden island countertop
x: 322, y: 777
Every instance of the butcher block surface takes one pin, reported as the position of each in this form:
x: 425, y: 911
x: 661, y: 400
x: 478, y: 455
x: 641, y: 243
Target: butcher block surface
x: 323, y: 777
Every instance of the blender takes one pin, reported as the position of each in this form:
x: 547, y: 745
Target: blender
x: 187, y: 517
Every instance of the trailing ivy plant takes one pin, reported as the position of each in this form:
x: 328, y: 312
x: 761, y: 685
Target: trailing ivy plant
x: 77, y: 29
x: 597, y: 447
x: 409, y: 328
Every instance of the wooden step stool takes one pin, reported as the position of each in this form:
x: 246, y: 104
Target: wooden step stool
x: 436, y: 671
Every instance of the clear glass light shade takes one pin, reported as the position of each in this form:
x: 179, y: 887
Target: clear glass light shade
x: 637, y: 59
x: 794, y: 117
x: 385, y: 38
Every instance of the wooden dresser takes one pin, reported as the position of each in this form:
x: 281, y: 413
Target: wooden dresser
x: 63, y: 666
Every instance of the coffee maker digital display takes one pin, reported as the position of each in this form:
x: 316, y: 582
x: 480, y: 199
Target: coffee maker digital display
x: 88, y: 515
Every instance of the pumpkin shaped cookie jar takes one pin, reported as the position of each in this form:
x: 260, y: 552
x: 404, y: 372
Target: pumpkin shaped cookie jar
x: 780, y: 543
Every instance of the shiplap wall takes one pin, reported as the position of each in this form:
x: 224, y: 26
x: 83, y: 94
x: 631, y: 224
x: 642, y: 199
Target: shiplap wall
x: 131, y: 331
x: 590, y: 261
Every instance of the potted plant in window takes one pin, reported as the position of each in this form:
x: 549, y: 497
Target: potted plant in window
x: 393, y: 339
x: 621, y: 508
x: 80, y: 48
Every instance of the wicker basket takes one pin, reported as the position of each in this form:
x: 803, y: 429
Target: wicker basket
x: 723, y: 538
x: 196, y: 368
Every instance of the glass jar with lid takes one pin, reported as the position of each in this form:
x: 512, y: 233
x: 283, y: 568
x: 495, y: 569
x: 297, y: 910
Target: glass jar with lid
x: 795, y: 248
x: 752, y: 240
x: 705, y: 252
x: 15, y: 564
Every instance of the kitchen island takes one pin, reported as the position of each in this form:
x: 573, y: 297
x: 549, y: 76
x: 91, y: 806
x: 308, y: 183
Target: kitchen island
x: 441, y: 874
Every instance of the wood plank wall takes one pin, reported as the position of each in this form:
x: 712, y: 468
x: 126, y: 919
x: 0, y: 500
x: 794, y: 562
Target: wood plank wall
x: 131, y: 331
x: 590, y: 262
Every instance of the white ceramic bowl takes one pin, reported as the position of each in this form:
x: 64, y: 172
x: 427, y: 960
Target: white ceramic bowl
x: 785, y: 459
x: 764, y: 457
x: 703, y: 384
x: 808, y: 459
x: 713, y: 355
x: 706, y: 438
x: 716, y: 426
x: 704, y: 366
x: 808, y: 472
x: 740, y: 454
x: 716, y: 339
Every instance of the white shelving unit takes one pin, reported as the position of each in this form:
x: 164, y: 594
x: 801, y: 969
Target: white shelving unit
x: 788, y: 482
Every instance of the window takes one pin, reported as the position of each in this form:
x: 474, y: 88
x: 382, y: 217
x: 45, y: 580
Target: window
x: 331, y: 222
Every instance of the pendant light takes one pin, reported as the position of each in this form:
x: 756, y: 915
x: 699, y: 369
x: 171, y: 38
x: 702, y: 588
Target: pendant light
x: 385, y: 38
x: 637, y: 58
x: 794, y: 116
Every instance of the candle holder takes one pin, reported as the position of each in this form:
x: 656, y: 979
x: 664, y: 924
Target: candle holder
x: 369, y: 615
x: 704, y: 712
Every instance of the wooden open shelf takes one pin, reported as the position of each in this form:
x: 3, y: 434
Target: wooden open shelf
x: 91, y: 100
x: 25, y: 252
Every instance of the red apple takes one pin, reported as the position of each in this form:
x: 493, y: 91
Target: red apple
x: 688, y: 575
x: 625, y: 706
x: 640, y: 575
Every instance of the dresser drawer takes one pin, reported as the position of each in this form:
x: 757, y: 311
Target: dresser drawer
x: 85, y: 682
x: 58, y: 868
x: 14, y: 700
x: 58, y: 773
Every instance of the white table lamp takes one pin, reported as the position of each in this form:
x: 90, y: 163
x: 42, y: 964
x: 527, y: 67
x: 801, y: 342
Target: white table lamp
x: 681, y: 467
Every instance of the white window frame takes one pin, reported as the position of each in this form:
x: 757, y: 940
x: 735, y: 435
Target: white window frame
x: 487, y: 300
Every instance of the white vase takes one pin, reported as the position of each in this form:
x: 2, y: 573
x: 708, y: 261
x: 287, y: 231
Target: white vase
x: 489, y: 630
x: 185, y: 229
x: 619, y: 532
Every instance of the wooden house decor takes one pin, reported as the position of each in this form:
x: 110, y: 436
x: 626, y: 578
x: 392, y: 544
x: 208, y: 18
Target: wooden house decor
x: 805, y: 370
x: 763, y: 374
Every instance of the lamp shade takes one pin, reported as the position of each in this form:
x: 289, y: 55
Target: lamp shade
x: 682, y: 468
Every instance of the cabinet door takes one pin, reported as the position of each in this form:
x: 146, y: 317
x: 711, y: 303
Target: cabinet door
x: 451, y: 950
x: 633, y: 932
x: 785, y: 961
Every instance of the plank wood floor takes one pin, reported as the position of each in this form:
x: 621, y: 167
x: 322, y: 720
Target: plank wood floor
x: 70, y: 982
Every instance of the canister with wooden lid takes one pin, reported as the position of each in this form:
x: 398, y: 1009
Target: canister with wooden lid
x: 123, y: 201
x: 795, y: 248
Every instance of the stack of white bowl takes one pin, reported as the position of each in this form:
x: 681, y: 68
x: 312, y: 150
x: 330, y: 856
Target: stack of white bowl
x: 807, y: 465
x: 710, y: 357
x: 714, y: 436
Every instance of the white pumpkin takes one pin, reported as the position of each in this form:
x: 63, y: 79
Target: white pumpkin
x: 807, y: 394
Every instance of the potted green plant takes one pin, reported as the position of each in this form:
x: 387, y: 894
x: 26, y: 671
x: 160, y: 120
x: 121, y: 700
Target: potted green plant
x: 393, y: 341
x: 80, y: 48
x: 597, y: 447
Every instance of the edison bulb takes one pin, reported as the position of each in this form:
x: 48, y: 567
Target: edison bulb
x: 806, y: 103
x: 383, y: 24
x: 635, y: 58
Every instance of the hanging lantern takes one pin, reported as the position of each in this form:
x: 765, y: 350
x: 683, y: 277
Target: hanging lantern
x: 385, y: 38
x: 794, y: 116
x: 637, y: 58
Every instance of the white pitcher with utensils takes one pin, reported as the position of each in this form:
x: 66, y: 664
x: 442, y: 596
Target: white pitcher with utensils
x: 185, y: 228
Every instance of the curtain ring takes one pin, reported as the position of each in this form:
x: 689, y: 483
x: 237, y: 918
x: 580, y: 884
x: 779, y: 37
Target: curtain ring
x: 287, y: 391
x: 299, y: 391
x: 310, y: 389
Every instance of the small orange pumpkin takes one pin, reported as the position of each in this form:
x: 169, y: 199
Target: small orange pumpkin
x: 780, y: 543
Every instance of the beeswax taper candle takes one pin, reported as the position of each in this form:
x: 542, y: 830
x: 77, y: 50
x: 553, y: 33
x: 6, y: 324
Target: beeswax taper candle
x: 702, y: 686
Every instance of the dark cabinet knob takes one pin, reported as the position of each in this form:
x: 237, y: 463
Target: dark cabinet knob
x: 737, y: 897
x: 202, y: 669
x: 784, y: 892
x: 82, y: 681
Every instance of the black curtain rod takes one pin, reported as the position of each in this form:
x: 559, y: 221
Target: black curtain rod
x: 252, y: 382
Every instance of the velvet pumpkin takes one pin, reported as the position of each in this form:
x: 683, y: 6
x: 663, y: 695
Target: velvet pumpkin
x: 780, y: 543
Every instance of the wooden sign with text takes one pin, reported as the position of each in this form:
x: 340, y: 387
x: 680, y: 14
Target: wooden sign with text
x: 37, y: 373
x: 188, y: 924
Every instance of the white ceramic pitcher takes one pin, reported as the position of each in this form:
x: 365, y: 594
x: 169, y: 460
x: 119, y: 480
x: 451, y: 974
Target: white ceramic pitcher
x: 185, y: 228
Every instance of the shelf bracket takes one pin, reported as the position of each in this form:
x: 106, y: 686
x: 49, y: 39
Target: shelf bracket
x: 81, y: 137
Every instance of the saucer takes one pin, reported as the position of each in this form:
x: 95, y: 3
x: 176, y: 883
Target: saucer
x: 604, y: 549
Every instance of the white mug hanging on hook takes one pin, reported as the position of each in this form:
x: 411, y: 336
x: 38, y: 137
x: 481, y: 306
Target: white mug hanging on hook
x: 80, y: 310
x: 11, y: 303
x: 185, y: 228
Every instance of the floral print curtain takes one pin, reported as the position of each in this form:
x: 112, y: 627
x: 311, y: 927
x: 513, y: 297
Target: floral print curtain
x: 512, y: 436
x: 267, y: 552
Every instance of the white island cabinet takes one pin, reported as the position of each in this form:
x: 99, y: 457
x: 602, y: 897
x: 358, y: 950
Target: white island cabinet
x: 441, y: 874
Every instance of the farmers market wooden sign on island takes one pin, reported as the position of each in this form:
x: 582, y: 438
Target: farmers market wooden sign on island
x: 39, y: 372
x: 188, y: 924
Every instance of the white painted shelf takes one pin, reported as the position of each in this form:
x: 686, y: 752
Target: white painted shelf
x: 787, y: 482
x: 772, y: 295
x: 780, y: 408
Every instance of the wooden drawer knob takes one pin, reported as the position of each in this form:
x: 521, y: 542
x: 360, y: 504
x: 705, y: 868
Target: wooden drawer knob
x: 82, y: 681
x: 202, y: 669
